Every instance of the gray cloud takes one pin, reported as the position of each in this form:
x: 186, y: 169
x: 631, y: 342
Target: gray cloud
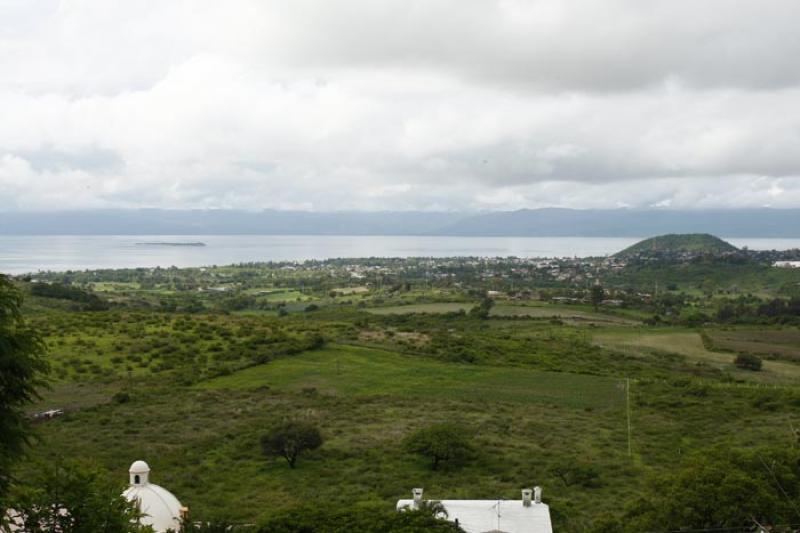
x: 389, y: 104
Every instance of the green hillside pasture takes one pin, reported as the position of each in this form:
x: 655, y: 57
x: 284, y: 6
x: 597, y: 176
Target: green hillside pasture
x: 690, y: 345
x: 350, y: 290
x: 779, y: 344
x: 115, y: 286
x: 565, y: 313
x: 435, y: 308
x: 354, y: 371
x: 278, y: 295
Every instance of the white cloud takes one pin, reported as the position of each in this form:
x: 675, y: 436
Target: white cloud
x: 435, y: 104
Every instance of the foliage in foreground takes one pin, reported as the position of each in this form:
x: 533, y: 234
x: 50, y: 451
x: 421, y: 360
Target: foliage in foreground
x: 367, y: 519
x: 715, y: 490
x: 69, y: 499
x: 22, y: 365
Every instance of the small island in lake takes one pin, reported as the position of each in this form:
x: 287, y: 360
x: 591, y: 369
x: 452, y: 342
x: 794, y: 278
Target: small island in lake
x: 170, y: 244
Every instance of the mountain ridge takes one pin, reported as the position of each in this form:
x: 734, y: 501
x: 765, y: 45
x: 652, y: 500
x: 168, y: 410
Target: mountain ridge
x: 546, y: 222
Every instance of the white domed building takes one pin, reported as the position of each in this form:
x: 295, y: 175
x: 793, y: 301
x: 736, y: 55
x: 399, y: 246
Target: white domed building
x: 159, y: 507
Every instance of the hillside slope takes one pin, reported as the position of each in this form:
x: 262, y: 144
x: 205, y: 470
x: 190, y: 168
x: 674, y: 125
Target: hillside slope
x: 679, y: 243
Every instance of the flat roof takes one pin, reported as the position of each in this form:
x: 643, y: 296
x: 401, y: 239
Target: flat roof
x: 481, y: 516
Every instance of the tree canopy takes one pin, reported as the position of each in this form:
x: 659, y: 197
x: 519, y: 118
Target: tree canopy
x: 290, y: 438
x: 722, y: 488
x: 440, y: 443
x: 69, y: 498
x: 22, y: 367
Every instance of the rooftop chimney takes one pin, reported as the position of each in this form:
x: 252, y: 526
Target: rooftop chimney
x: 526, y: 497
x: 537, y: 494
x: 417, y: 493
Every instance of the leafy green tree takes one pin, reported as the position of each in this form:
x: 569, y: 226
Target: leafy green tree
x: 597, y: 295
x: 721, y: 488
x: 22, y: 367
x: 289, y: 439
x: 440, y: 443
x: 67, y: 498
x: 483, y: 309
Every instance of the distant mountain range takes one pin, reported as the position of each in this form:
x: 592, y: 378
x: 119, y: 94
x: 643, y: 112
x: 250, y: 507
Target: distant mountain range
x: 549, y: 222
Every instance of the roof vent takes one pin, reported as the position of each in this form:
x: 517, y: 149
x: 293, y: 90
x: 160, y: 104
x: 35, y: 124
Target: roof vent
x: 526, y: 497
x: 537, y: 494
x: 417, y: 493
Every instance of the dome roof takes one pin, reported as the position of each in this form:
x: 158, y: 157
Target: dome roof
x: 160, y: 508
x: 139, y: 467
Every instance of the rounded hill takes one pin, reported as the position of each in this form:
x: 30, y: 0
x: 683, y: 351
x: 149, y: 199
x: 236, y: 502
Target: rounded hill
x: 691, y: 243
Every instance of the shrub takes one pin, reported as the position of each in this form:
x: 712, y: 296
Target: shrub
x: 748, y: 361
x: 573, y: 472
x: 291, y: 438
x: 121, y: 397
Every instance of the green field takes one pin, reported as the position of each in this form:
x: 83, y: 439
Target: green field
x: 357, y: 371
x: 776, y: 343
x: 562, y: 312
x: 434, y: 308
x: 690, y: 345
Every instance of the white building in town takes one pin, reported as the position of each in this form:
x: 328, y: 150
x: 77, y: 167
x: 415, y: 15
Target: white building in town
x: 528, y: 515
x: 161, y: 509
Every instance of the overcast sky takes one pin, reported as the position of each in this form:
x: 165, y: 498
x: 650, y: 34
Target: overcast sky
x: 399, y: 104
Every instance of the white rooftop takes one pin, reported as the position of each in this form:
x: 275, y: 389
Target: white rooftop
x: 506, y: 516
x: 161, y: 509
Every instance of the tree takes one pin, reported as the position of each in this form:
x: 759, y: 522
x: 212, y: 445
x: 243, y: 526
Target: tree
x: 597, y: 295
x: 483, y: 309
x: 70, y: 499
x: 440, y: 443
x: 22, y: 369
x: 291, y: 438
x: 721, y: 488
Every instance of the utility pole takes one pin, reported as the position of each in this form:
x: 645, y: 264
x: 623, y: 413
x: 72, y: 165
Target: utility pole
x: 628, y: 410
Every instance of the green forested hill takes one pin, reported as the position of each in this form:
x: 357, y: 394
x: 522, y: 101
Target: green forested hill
x: 679, y: 243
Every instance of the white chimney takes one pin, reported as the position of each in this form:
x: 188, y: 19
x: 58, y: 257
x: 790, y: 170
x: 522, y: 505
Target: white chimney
x: 537, y: 494
x: 526, y: 497
x: 417, y: 493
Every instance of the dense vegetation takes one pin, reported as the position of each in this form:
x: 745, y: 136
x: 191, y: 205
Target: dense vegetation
x: 609, y: 394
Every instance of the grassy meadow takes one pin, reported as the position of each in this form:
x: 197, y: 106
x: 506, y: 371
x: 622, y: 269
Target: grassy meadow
x: 545, y: 391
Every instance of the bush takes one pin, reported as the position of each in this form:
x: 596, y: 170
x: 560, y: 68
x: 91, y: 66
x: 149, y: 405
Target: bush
x: 440, y: 443
x: 356, y: 518
x: 289, y: 439
x: 573, y: 472
x: 121, y: 397
x: 748, y: 361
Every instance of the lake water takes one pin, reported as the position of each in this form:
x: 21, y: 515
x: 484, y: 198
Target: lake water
x: 22, y: 254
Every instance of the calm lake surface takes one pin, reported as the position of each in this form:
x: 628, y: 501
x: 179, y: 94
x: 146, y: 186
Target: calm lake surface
x: 21, y: 254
